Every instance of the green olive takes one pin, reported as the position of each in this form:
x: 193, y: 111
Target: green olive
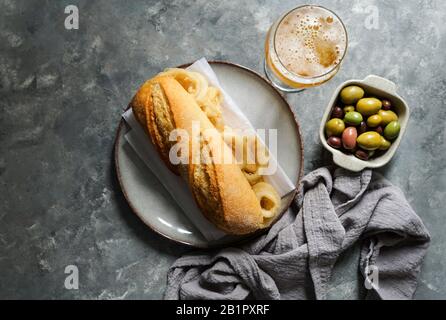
x: 392, y: 130
x: 374, y: 121
x: 387, y: 116
x: 369, y: 140
x: 351, y: 94
x: 334, y: 127
x: 385, y: 144
x: 348, y: 109
x: 368, y: 106
x: 354, y: 118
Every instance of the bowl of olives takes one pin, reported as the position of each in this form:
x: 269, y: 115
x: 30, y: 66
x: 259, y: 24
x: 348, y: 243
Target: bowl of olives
x: 364, y: 123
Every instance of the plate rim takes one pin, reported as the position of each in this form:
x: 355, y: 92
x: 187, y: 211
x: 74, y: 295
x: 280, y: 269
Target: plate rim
x: 195, y: 245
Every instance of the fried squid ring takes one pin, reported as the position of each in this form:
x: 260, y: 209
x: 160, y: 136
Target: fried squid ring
x: 193, y: 82
x: 250, y: 153
x: 234, y: 141
x: 253, y: 177
x: 261, y: 153
x: 210, y: 105
x: 269, y: 199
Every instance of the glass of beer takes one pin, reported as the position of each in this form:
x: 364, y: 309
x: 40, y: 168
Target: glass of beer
x: 304, y: 48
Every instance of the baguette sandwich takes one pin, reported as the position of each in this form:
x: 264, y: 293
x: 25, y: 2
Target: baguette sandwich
x: 223, y: 190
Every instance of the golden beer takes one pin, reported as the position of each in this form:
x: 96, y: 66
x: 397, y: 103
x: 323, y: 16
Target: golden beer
x: 304, y: 48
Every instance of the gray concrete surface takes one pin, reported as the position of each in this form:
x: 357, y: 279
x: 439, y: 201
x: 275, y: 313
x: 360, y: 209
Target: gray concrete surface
x: 62, y: 93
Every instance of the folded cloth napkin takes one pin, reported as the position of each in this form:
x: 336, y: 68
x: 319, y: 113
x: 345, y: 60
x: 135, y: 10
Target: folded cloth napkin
x: 294, y: 260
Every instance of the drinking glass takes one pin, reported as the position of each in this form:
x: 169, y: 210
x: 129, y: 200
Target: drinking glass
x: 304, y: 48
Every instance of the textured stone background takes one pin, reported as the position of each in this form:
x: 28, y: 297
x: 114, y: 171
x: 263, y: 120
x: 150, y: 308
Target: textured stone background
x: 62, y: 93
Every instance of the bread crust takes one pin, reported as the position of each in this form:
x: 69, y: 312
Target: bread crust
x: 142, y: 106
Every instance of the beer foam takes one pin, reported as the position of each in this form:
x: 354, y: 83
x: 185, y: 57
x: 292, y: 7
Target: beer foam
x: 310, y: 41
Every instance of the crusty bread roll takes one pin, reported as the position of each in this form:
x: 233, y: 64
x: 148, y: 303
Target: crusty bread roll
x: 221, y: 190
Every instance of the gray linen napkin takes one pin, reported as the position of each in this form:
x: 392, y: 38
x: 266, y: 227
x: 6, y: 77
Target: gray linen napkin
x: 295, y: 259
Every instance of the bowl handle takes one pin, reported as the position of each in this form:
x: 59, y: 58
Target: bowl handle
x: 380, y: 83
x: 348, y: 163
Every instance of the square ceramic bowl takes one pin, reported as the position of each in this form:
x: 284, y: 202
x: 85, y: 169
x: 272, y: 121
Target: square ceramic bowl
x: 373, y: 86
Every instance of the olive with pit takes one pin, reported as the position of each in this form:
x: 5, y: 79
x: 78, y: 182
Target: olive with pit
x: 334, y: 127
x: 387, y: 117
x: 374, y: 121
x: 354, y: 118
x: 351, y: 94
x: 368, y: 106
x: 369, y: 140
x: 335, y: 142
x: 348, y: 109
x: 392, y: 130
x: 385, y: 144
x: 387, y: 105
x: 349, y: 138
x: 337, y: 112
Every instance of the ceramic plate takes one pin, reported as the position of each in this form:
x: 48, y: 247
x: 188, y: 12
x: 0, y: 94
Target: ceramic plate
x: 263, y: 106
